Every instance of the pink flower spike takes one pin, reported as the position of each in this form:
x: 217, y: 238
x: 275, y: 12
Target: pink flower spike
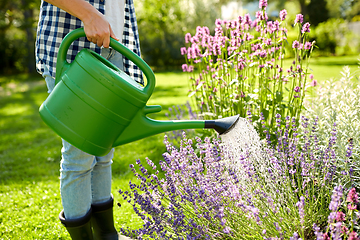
x: 263, y: 4
x: 340, y: 216
x: 353, y: 236
x: 295, y: 44
x: 305, y: 28
x: 218, y: 22
x: 187, y: 38
x: 299, y: 18
x: 183, y: 50
x: 307, y: 46
x: 313, y: 83
x: 352, y: 196
x: 326, y: 236
x: 283, y: 14
x: 351, y: 206
x: 184, y: 68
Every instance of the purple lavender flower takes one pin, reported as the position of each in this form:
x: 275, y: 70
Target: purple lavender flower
x: 336, y: 199
x: 301, y: 206
x: 349, y: 148
x: 297, y: 89
x: 295, y: 236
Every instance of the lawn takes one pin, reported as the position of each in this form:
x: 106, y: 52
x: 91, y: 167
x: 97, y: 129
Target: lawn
x: 30, y: 152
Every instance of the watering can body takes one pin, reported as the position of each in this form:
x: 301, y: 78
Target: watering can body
x: 93, y: 101
x: 95, y: 106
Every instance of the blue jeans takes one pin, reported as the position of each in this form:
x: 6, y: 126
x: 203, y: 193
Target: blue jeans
x: 84, y: 179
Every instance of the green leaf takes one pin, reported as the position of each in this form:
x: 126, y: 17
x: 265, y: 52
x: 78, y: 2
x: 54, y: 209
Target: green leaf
x: 265, y: 113
x: 278, y: 96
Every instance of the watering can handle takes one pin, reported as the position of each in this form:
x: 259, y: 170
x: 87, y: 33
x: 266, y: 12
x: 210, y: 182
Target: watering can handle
x: 62, y: 65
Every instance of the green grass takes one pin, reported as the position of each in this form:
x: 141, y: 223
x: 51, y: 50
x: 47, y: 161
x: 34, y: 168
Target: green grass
x: 324, y: 68
x: 30, y: 153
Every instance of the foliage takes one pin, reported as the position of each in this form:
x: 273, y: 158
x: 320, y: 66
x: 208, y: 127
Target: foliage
x: 240, y: 68
x: 333, y: 36
x: 17, y: 35
x: 163, y: 23
x: 221, y: 191
x: 317, y: 12
x: 337, y: 101
x: 343, y: 219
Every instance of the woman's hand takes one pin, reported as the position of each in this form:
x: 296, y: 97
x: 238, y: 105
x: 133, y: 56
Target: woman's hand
x: 98, y: 30
x: 96, y: 27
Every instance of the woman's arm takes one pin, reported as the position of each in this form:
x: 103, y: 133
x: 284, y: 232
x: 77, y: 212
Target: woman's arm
x: 96, y: 27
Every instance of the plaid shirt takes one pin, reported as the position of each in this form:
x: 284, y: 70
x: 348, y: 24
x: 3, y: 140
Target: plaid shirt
x: 55, y: 23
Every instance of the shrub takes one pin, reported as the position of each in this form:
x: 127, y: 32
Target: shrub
x: 240, y: 68
x: 337, y: 101
x: 249, y: 191
x: 343, y: 219
x: 334, y: 37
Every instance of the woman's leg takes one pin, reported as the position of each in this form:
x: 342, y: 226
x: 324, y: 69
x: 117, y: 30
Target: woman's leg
x: 75, y: 181
x: 101, y: 178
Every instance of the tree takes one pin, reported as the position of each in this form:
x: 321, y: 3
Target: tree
x: 163, y: 25
x: 314, y: 11
x: 314, y: 8
x: 17, y: 35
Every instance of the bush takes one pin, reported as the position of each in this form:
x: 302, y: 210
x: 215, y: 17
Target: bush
x: 334, y: 37
x: 240, y: 188
x: 337, y: 101
x: 240, y: 69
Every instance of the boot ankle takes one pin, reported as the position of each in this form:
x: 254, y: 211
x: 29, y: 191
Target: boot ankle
x: 79, y: 228
x: 103, y: 221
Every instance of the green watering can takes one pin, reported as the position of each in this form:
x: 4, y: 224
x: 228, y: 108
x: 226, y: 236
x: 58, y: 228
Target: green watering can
x: 95, y: 106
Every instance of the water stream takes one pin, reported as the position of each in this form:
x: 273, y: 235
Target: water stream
x: 242, y: 148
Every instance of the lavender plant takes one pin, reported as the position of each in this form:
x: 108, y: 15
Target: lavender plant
x: 343, y: 221
x: 180, y: 112
x: 258, y: 191
x: 241, y: 67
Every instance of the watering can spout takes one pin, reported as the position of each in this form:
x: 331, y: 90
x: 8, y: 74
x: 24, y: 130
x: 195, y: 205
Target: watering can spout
x: 222, y: 125
x: 141, y: 126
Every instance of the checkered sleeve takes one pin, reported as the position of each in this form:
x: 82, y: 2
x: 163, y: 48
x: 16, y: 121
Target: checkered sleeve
x: 55, y: 23
x: 131, y: 41
x: 53, y: 26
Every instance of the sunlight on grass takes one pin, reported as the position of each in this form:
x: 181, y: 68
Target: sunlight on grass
x: 15, y: 109
x: 171, y: 89
x: 36, y: 206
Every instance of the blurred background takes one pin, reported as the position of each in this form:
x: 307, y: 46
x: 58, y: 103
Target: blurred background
x: 335, y: 25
